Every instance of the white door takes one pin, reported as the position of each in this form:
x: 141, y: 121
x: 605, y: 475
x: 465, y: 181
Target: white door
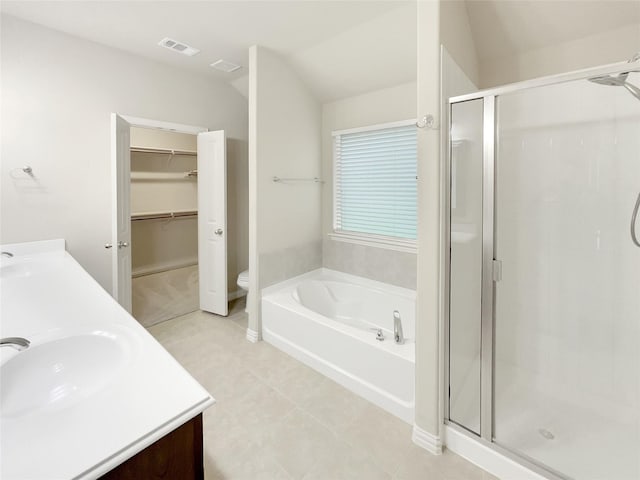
x: 212, y: 221
x: 121, y: 214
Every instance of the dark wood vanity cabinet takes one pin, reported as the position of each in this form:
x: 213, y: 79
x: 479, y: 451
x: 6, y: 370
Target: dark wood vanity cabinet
x: 177, y: 455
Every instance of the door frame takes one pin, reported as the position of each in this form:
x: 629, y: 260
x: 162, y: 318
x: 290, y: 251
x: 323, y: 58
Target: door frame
x: 141, y: 123
x: 162, y: 125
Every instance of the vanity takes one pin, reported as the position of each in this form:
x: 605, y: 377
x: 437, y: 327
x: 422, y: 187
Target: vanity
x: 93, y: 395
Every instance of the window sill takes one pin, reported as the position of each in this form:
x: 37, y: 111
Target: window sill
x: 389, y: 243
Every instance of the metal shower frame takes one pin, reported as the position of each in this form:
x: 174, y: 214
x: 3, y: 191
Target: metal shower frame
x: 489, y: 98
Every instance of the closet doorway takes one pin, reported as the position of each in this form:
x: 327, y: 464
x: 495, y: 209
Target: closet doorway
x: 169, y: 247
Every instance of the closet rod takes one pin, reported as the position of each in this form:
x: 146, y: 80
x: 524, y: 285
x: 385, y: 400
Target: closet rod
x: 149, y: 176
x: 153, y: 216
x: 163, y: 150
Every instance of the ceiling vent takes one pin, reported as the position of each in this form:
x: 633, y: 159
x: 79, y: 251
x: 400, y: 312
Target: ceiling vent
x: 178, y: 47
x: 225, y: 66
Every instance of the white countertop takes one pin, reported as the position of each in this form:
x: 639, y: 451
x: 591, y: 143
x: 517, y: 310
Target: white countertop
x: 137, y: 392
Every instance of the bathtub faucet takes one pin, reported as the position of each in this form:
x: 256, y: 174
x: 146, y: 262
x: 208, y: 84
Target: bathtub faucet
x: 397, y: 328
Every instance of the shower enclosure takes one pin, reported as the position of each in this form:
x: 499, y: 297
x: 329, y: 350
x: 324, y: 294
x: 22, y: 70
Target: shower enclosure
x: 543, y: 279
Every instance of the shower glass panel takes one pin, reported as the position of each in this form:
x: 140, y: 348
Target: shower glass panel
x: 465, y: 263
x: 567, y: 309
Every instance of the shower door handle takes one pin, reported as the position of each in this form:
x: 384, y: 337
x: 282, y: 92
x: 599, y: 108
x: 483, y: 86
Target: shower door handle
x: 634, y: 218
x: 496, y: 270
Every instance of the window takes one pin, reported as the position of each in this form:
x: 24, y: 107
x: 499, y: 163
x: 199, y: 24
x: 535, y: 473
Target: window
x: 375, y: 185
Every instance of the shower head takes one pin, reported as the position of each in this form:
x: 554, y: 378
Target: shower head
x: 617, y: 81
x: 620, y: 80
x: 610, y: 80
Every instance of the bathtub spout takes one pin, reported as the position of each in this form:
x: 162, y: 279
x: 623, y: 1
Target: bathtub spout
x: 397, y: 328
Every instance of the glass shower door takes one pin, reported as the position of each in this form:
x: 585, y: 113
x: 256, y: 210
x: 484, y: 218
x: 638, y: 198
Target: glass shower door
x: 465, y: 265
x: 567, y: 308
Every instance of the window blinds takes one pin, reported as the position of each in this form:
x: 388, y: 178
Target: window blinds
x: 375, y: 186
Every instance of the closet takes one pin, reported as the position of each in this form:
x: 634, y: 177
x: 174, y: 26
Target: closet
x: 164, y: 224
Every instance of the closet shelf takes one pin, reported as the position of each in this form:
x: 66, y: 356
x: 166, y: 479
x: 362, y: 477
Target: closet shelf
x: 160, y: 176
x: 163, y: 215
x: 163, y: 150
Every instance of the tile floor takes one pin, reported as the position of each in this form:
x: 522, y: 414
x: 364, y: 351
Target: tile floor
x: 276, y: 418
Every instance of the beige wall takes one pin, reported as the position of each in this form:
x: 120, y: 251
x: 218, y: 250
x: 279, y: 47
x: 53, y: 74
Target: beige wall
x: 152, y: 138
x: 372, y: 55
x: 382, y: 106
x: 285, y: 126
x: 617, y: 45
x: 428, y: 278
x: 162, y: 244
x: 159, y: 245
x: 443, y: 23
x: 57, y: 95
x: 456, y: 37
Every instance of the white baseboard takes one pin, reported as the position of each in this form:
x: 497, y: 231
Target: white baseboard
x: 252, y: 336
x: 486, y: 458
x: 422, y: 438
x: 237, y: 294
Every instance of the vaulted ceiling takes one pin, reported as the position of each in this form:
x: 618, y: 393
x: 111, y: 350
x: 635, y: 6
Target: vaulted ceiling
x: 503, y: 28
x: 340, y: 48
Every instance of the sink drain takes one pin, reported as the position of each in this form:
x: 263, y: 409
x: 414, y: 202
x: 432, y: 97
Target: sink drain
x: 546, y: 433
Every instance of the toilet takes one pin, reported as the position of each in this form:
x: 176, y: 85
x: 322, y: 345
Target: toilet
x: 243, y: 281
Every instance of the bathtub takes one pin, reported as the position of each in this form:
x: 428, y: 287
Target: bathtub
x: 330, y: 320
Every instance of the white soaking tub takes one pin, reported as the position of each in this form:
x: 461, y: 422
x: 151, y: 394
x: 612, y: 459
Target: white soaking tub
x: 329, y: 321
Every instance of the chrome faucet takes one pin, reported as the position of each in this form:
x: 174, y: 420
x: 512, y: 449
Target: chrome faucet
x: 6, y: 254
x: 397, y: 328
x: 18, y: 343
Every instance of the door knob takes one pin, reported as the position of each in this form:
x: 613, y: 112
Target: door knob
x: 122, y: 244
x: 218, y: 231
x: 108, y: 245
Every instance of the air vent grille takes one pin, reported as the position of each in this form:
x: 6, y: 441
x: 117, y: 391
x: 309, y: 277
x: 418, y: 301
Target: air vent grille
x: 177, y: 46
x: 225, y: 66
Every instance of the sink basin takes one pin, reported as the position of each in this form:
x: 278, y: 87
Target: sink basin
x: 10, y: 268
x: 59, y: 373
x: 17, y: 270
